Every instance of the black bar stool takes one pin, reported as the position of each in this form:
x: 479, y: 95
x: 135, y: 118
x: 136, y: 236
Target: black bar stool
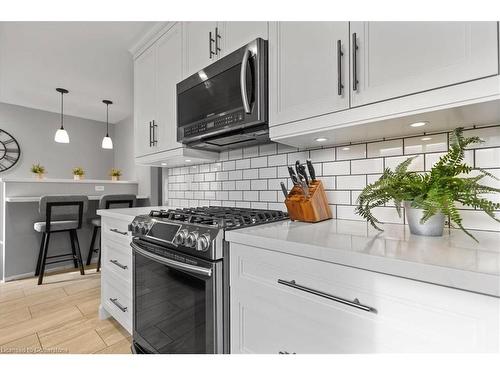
x: 69, y: 210
x: 106, y: 201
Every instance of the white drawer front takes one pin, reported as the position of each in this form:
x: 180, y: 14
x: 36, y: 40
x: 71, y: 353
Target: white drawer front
x: 116, y: 230
x: 411, y: 316
x: 117, y: 259
x: 117, y: 299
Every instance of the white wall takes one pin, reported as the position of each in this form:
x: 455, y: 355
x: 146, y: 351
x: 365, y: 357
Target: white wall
x: 123, y: 143
x: 34, y: 130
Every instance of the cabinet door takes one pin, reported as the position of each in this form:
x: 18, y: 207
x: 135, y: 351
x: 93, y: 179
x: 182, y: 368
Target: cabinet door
x: 144, y: 100
x: 235, y: 35
x: 401, y: 58
x: 169, y: 63
x: 196, y: 42
x: 304, y: 74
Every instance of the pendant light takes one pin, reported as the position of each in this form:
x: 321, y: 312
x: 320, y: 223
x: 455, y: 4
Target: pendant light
x: 107, y: 143
x: 61, y: 133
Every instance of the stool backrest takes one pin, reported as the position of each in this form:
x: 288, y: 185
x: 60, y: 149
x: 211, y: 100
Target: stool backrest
x: 117, y: 201
x: 64, y: 207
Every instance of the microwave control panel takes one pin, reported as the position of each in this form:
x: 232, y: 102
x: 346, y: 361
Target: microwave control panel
x: 208, y: 125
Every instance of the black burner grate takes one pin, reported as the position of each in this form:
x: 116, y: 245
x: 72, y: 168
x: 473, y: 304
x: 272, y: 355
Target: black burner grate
x: 223, y: 217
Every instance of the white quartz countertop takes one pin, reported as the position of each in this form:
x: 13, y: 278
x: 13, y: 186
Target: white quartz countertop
x: 454, y: 260
x: 129, y: 213
x: 64, y: 181
x: 26, y: 199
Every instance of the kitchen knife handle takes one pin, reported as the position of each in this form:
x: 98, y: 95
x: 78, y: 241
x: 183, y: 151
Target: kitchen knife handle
x: 312, y: 172
x: 303, y: 173
x: 284, y: 189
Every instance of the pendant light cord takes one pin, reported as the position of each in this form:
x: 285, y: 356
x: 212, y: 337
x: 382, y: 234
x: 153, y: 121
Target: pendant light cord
x: 107, y: 122
x: 62, y: 102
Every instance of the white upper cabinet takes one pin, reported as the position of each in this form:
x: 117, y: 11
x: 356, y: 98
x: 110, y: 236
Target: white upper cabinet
x: 395, y: 59
x: 308, y: 69
x: 169, y: 72
x: 199, y: 41
x: 144, y: 101
x: 234, y: 35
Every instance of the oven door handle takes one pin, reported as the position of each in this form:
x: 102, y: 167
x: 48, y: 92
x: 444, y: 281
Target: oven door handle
x: 173, y: 263
x: 243, y: 80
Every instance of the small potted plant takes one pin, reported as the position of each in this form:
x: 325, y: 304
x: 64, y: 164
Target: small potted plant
x: 115, y: 174
x: 78, y: 173
x: 430, y: 197
x: 38, y: 170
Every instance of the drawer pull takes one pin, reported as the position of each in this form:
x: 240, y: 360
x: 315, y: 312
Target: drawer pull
x: 118, y: 304
x: 355, y: 303
x: 118, y: 231
x: 118, y: 264
x: 285, y: 352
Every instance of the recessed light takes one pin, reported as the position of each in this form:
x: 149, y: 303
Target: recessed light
x: 188, y: 160
x: 346, y: 148
x: 418, y: 124
x: 163, y: 163
x: 321, y: 139
x: 426, y: 139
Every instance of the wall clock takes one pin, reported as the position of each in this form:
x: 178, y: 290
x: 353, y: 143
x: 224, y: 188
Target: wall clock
x: 9, y: 151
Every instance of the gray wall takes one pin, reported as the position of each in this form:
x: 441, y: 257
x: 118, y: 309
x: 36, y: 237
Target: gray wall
x: 35, y: 129
x: 123, y: 143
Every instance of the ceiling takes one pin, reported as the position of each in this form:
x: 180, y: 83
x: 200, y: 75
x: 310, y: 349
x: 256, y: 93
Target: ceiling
x: 90, y: 59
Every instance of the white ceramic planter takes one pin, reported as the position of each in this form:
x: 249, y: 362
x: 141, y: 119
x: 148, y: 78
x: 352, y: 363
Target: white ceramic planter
x: 432, y: 227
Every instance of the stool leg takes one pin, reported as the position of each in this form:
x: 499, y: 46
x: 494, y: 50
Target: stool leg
x: 91, y: 249
x: 78, y: 252
x: 75, y: 262
x: 44, y: 258
x: 99, y: 256
x: 40, y: 253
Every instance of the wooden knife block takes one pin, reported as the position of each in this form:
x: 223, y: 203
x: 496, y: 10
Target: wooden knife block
x: 311, y: 209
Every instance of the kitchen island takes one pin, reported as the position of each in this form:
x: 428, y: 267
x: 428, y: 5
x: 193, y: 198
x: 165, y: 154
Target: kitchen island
x: 19, y: 210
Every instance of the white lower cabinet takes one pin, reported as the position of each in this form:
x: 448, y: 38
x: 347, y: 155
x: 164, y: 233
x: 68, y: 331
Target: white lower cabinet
x: 403, y: 315
x: 116, y: 272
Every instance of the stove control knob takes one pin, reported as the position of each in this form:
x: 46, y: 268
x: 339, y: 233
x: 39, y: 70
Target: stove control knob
x: 191, y: 239
x: 180, y: 237
x: 203, y: 242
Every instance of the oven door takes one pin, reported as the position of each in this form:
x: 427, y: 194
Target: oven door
x: 177, y: 302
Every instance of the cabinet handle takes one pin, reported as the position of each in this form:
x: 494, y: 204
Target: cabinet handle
x: 150, y: 137
x: 210, y: 41
x: 118, y: 264
x: 340, y: 86
x: 354, y: 62
x: 285, y: 352
x: 155, y: 126
x: 118, y: 231
x: 217, y: 37
x: 355, y: 303
x: 118, y: 304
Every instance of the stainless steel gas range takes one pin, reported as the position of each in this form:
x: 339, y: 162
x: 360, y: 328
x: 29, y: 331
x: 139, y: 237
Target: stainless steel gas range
x: 181, y: 277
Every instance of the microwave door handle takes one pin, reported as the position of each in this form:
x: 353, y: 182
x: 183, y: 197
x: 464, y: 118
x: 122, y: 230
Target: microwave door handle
x: 243, y: 81
x: 173, y: 263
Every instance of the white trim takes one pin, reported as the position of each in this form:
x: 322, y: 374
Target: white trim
x: 153, y: 34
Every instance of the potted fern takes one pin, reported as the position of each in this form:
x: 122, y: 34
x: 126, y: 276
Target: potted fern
x: 38, y: 170
x: 78, y: 173
x: 115, y: 174
x: 430, y: 197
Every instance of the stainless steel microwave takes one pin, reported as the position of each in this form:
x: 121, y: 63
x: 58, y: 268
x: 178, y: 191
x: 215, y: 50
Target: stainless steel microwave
x: 226, y: 104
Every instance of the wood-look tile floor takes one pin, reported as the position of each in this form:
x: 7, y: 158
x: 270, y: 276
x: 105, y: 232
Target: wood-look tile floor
x: 60, y: 316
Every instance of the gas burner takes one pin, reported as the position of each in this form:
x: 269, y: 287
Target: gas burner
x: 222, y: 217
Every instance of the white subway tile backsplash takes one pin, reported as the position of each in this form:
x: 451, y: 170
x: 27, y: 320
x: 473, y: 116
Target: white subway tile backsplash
x: 336, y: 168
x: 258, y: 162
x: 243, y: 164
x: 326, y: 154
x: 417, y: 164
x: 251, y: 177
x: 364, y: 166
x: 385, y: 148
x: 488, y: 158
x: 351, y: 152
x: 426, y: 143
x: 275, y: 160
x: 351, y: 182
x: 490, y: 136
x: 267, y: 172
x: 258, y: 184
